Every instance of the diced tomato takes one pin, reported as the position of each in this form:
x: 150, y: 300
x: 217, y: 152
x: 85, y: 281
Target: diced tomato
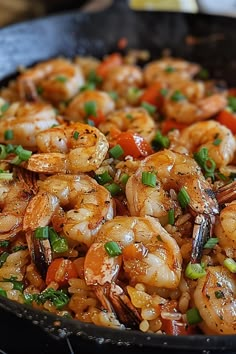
x: 122, y: 43
x: 232, y: 92
x: 133, y: 144
x: 111, y: 61
x: 153, y: 95
x: 170, y: 124
x: 227, y: 119
x: 177, y: 328
x: 60, y: 271
x: 99, y: 118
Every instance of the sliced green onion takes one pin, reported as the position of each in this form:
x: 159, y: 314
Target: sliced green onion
x: 113, y: 95
x: 114, y: 189
x: 205, y: 162
x: 149, y: 107
x: 177, y: 96
x: 217, y: 141
x: 16, y: 161
x: 58, y: 243
x: 221, y: 176
x: 61, y: 79
x: 76, y: 135
x: 17, y: 285
x: 90, y: 86
x: 116, y: 151
x: 193, y: 316
x: 6, y: 176
x: 129, y: 116
x: 23, y: 154
x: 19, y: 248
x: 232, y: 103
x: 3, y: 258
x: 39, y: 90
x: 219, y: 294
x: 183, y: 197
x: 160, y: 141
x: 133, y: 94
x: 149, y: 179
x: 169, y: 69
x: 103, y: 178
x: 112, y: 248
x: 211, y: 242
x: 58, y: 297
x: 28, y: 298
x: 194, y: 271
x: 171, y: 216
x: 203, y: 74
x: 8, y: 134
x: 4, y: 243
x: 3, y: 292
x: 10, y: 148
x: 4, y: 107
x: 42, y: 233
x: 3, y: 152
x: 124, y: 178
x: 90, y: 108
x: 94, y: 78
x: 90, y: 122
x: 164, y: 92
x: 230, y: 264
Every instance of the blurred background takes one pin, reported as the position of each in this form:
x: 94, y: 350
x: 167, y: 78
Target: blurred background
x: 12, y: 11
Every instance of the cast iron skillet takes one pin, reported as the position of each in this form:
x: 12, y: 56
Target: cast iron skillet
x: 97, y: 34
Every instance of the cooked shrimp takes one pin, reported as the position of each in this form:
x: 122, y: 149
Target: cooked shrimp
x: 57, y: 79
x: 184, y: 111
x: 87, y: 206
x: 215, y: 298
x: 136, y: 120
x: 193, y: 90
x: 169, y: 70
x: 173, y: 171
x: 26, y: 120
x: 14, y: 198
x: 122, y: 77
x: 160, y: 261
x: 76, y: 110
x: 69, y: 149
x: 150, y: 255
x: 225, y: 229
x: 222, y: 152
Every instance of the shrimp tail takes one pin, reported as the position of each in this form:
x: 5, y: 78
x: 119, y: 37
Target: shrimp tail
x: 28, y: 91
x: 114, y: 299
x: 41, y: 253
x: 227, y: 193
x: 201, y: 233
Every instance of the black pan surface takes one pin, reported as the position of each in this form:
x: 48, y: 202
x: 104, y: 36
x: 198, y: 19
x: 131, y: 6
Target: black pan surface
x: 96, y: 34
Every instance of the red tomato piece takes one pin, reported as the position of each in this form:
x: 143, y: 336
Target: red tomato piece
x: 111, y: 61
x: 153, y: 95
x: 170, y: 124
x: 177, y: 328
x: 134, y: 144
x: 60, y: 271
x: 227, y: 119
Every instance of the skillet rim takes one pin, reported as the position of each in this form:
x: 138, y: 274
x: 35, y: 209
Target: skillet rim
x: 90, y: 331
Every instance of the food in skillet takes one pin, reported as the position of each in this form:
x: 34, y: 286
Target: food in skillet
x: 118, y: 194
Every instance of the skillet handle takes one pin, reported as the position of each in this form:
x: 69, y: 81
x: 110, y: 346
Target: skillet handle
x: 101, y: 5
